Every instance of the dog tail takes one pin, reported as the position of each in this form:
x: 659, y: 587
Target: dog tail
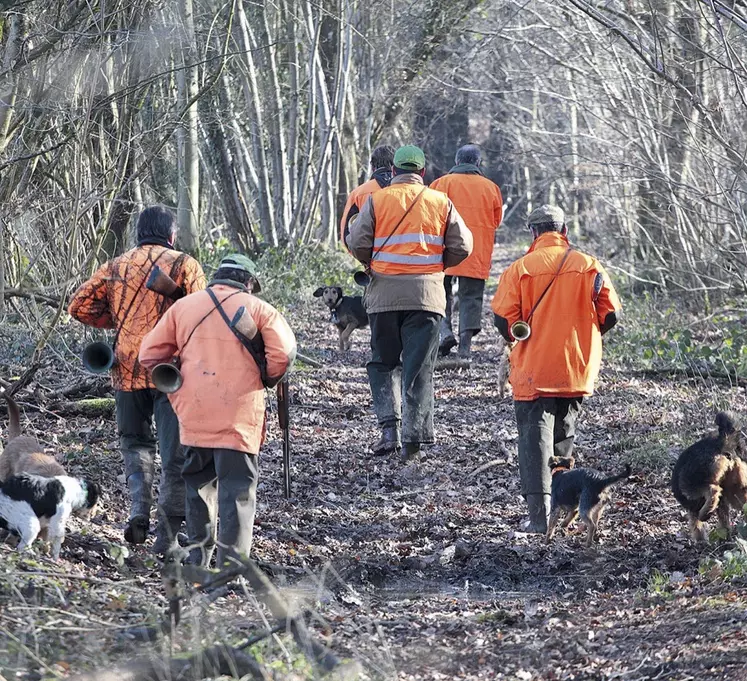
x: 616, y: 478
x: 14, y: 417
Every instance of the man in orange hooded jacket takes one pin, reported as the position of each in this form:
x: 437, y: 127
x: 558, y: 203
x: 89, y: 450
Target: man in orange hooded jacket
x: 116, y: 298
x: 480, y: 204
x: 220, y: 404
x: 569, y: 302
x: 382, y: 159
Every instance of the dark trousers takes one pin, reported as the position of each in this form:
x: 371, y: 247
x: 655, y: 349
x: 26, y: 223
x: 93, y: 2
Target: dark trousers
x: 136, y: 411
x: 221, y: 486
x: 470, y: 295
x: 404, y: 345
x: 547, y: 427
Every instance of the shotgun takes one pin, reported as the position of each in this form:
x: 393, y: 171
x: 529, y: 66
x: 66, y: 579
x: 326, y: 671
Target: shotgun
x: 284, y: 419
x: 162, y: 283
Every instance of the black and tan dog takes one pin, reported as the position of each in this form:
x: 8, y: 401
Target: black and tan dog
x: 581, y: 491
x: 348, y: 313
x: 711, y: 477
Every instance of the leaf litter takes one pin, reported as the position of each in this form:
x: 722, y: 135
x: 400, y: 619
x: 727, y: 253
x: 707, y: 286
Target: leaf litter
x: 419, y: 571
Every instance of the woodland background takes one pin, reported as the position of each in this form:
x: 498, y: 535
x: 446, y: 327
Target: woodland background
x: 253, y: 120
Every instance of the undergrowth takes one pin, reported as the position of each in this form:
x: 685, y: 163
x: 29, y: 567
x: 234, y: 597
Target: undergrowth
x: 289, y: 274
x: 660, y: 334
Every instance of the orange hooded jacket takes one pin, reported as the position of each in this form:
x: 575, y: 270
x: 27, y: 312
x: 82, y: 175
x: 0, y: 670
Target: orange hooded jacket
x: 221, y: 402
x: 480, y: 204
x: 563, y: 354
x: 380, y: 179
x: 115, y: 297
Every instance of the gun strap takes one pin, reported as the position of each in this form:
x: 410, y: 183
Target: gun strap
x: 552, y: 281
x: 260, y: 361
x: 205, y: 316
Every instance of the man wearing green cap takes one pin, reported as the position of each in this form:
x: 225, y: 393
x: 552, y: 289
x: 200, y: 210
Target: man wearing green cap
x: 406, y: 234
x: 568, y: 301
x: 220, y: 405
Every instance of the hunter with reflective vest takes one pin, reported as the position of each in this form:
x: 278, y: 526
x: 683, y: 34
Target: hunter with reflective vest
x: 406, y: 234
x: 382, y: 158
x: 479, y: 202
x: 116, y: 297
x: 567, y: 300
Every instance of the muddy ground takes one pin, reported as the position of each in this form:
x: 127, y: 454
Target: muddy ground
x: 418, y: 571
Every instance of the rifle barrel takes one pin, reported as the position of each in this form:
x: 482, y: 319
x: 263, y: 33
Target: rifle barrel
x: 286, y: 463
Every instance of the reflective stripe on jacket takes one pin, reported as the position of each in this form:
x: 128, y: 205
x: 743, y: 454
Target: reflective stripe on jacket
x: 417, y: 244
x: 480, y: 204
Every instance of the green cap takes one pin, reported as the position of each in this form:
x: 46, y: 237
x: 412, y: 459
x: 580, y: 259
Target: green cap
x: 409, y: 158
x: 238, y: 261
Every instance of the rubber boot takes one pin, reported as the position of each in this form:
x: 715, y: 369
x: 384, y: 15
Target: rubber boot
x: 447, y: 338
x: 141, y: 496
x: 411, y: 452
x: 539, y: 511
x: 465, y: 344
x: 389, y: 441
x: 166, y: 534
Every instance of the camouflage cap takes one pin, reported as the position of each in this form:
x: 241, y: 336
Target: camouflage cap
x: 238, y: 261
x: 545, y: 215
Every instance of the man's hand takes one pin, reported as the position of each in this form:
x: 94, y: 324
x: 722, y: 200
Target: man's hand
x: 502, y: 325
x: 609, y: 321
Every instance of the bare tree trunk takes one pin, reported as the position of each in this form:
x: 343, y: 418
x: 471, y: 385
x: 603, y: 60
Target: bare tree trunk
x: 276, y: 119
x: 188, y: 195
x: 9, y: 84
x: 254, y: 104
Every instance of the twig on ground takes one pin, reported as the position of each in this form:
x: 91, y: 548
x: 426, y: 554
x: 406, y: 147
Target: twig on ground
x: 307, y: 360
x: 485, y: 466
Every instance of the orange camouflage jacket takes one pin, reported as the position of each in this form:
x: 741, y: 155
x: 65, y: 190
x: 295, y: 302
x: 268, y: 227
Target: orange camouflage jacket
x: 116, y: 298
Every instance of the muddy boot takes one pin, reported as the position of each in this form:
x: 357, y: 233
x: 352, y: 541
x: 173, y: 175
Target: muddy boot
x: 465, y: 344
x: 411, y: 452
x: 166, y: 534
x: 389, y: 441
x: 141, y: 496
x: 447, y: 338
x: 539, y: 510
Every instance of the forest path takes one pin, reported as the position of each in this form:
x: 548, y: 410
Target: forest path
x: 420, y: 571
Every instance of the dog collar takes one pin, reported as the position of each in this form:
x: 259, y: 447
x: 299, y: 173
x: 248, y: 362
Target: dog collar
x: 337, y: 304
x: 559, y: 469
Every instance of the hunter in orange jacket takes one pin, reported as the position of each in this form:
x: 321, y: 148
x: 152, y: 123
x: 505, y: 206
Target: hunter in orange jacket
x: 221, y: 403
x: 381, y: 175
x: 569, y: 302
x: 116, y: 298
x: 480, y: 204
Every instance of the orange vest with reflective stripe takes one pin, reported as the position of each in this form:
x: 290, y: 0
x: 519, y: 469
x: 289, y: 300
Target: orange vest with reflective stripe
x: 417, y: 246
